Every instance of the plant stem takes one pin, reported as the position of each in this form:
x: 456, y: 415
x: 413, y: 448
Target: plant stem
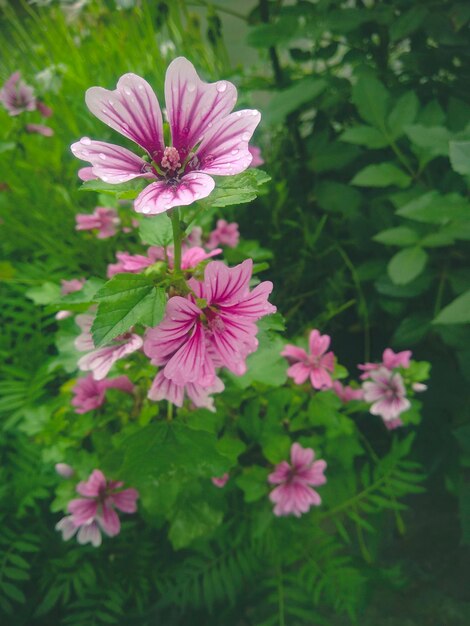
x: 177, y: 237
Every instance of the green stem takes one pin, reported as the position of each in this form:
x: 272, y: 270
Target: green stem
x: 177, y: 237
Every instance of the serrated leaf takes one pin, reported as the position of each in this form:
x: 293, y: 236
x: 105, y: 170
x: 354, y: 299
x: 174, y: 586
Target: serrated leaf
x: 43, y: 294
x: 459, y: 153
x: 363, y: 135
x: 381, y: 175
x: 194, y: 519
x: 237, y: 189
x: 403, y: 113
x: 399, y: 236
x: 406, y: 265
x: 125, y: 300
x: 156, y: 230
x: 435, y: 208
x: 371, y: 99
x: 457, y: 312
x: 432, y: 139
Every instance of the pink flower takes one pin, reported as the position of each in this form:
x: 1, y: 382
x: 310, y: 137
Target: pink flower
x: 95, y: 512
x: 317, y: 365
x: 89, y: 393
x: 86, y: 173
x: 17, y: 96
x: 346, y: 393
x: 195, y: 237
x: 256, y: 154
x: 387, y: 393
x: 294, y: 494
x: 193, y: 340
x: 69, y: 286
x: 100, y: 360
x: 103, y: 219
x: 165, y: 389
x: 43, y: 109
x: 206, y: 138
x: 64, y: 470
x: 225, y: 234
x: 39, y: 129
x: 390, y: 360
x: 135, y: 263
x: 191, y: 257
x: 220, y: 482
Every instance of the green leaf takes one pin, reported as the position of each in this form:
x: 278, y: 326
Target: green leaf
x: 403, y: 113
x: 406, y: 265
x: 253, y: 483
x: 459, y: 153
x: 399, y: 236
x: 194, y: 519
x: 435, y: 208
x: 364, y: 136
x: 408, y: 22
x: 266, y: 365
x: 13, y: 592
x: 78, y: 300
x: 338, y: 198
x: 432, y: 139
x: 457, y: 312
x: 45, y: 294
x: 236, y: 189
x: 123, y: 191
x: 231, y: 447
x: 371, y: 99
x: 381, y: 175
x: 266, y: 35
x: 289, y: 100
x: 125, y: 300
x: 6, y: 146
x: 156, y: 230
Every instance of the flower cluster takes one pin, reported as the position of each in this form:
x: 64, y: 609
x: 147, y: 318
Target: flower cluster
x: 18, y: 97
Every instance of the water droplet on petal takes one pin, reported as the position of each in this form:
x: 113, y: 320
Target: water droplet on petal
x: 221, y: 86
x: 127, y: 91
x: 235, y: 151
x: 190, y: 87
x: 111, y: 102
x: 102, y: 156
x: 86, y: 141
x: 104, y: 178
x: 254, y: 112
x: 246, y: 136
x: 141, y: 86
x: 104, y: 110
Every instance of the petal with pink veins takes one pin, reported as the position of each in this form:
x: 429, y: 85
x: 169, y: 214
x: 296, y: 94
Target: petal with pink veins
x: 162, y: 195
x: 108, y: 520
x: 318, y: 343
x: 111, y: 163
x: 133, y: 110
x: 125, y: 501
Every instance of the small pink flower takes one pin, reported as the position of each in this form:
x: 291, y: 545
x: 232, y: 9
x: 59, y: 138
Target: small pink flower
x: 39, y: 129
x: 294, y: 494
x: 100, y: 360
x: 95, y: 512
x: 317, y: 365
x: 224, y: 235
x: 135, y: 263
x: 220, y: 482
x: 103, y: 219
x: 256, y: 154
x: 89, y: 393
x: 43, y: 109
x: 69, y: 286
x: 192, y: 341
x: 206, y: 138
x: 165, y: 389
x: 390, y: 360
x: 346, y: 393
x: 191, y: 257
x: 64, y: 470
x: 387, y: 393
x: 17, y: 96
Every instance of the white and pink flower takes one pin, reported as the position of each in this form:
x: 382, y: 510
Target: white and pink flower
x: 387, y: 394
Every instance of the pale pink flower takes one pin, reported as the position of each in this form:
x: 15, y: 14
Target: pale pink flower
x: 390, y: 360
x: 65, y: 470
x: 256, y: 154
x: 346, y: 393
x: 16, y: 96
x: 294, y: 494
x: 43, y: 109
x: 103, y: 219
x: 193, y: 340
x: 386, y: 391
x: 165, y: 389
x: 69, y: 286
x: 225, y: 234
x: 95, y: 512
x: 221, y: 481
x: 134, y: 263
x: 317, y: 365
x: 89, y: 393
x: 100, y: 360
x: 419, y: 387
x: 39, y: 129
x: 206, y: 138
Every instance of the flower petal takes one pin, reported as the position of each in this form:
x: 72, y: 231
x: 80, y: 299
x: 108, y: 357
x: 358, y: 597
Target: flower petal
x: 185, y: 366
x: 318, y: 343
x: 111, y: 163
x: 224, y: 149
x: 294, y: 353
x: 161, y: 196
x: 108, y: 520
x: 133, y: 110
x: 92, y: 487
x: 227, y: 285
x: 126, y: 500
x: 192, y: 105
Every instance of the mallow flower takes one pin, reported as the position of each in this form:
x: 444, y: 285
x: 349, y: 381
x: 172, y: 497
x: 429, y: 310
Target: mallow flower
x: 318, y: 365
x: 104, y: 220
x: 294, y: 494
x: 95, y: 511
x: 89, y: 394
x: 387, y: 394
x: 16, y: 96
x: 207, y: 138
x: 390, y: 360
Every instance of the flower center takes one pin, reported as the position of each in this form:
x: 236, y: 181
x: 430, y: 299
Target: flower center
x: 171, y: 159
x: 214, y: 322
